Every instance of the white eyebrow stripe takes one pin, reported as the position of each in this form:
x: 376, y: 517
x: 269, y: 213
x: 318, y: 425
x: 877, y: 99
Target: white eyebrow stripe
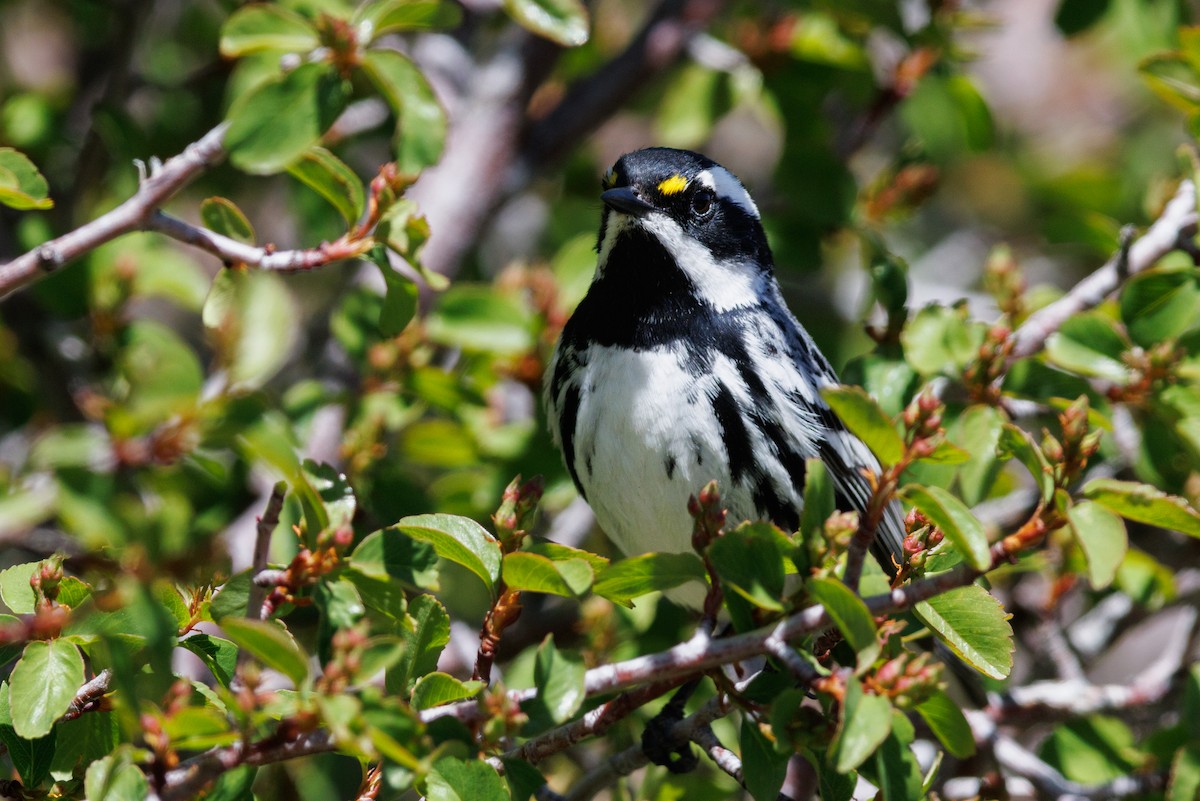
x: 723, y: 182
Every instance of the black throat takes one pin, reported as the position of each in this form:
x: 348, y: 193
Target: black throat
x: 641, y: 300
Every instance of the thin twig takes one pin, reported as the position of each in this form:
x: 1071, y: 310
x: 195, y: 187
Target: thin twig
x: 1177, y: 222
x: 131, y: 215
x: 262, y: 546
x: 231, y: 251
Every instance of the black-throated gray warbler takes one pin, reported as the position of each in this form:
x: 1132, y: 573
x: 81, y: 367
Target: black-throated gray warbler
x: 683, y: 364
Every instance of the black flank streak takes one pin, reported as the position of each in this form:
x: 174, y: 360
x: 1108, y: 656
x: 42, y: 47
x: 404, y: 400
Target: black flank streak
x: 733, y: 433
x: 566, y: 422
x: 670, y: 465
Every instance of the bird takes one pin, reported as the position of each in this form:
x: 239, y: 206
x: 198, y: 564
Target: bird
x: 683, y: 364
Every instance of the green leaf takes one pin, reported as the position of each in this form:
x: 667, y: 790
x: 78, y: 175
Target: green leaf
x: 162, y: 375
x: 379, y: 655
x: 624, y: 580
x: 459, y: 539
x: 750, y: 560
x: 1089, y: 344
x: 16, y: 590
x: 196, y: 728
x: 261, y: 26
x: 400, y: 302
x: 941, y: 339
x: 340, y: 602
x: 564, y: 22
x: 234, y: 785
x: 1184, y: 781
x: 250, y: 318
x: 1101, y: 535
x: 865, y: 722
x: 534, y: 573
x: 22, y: 187
x: 895, y: 770
x: 32, y: 758
x: 974, y: 625
x: 1092, y: 750
x: 1173, y: 77
x: 955, y: 520
x: 386, y: 595
x: 1015, y: 441
x: 42, y: 686
x: 978, y: 432
x: 1160, y: 304
x: 335, y: 492
x: 309, y: 99
x: 478, y: 319
x: 218, y: 654
x: 270, y: 643
x: 393, y: 16
x: 558, y: 676
x: 385, y: 554
x: 423, y: 644
x: 850, y: 615
x: 948, y: 724
x: 232, y: 598
x: 453, y: 779
x: 692, y: 103
x: 866, y: 420
x: 329, y: 177
x: 1144, y: 504
x: 435, y: 689
x: 115, y: 778
x: 763, y: 767
x: 420, y: 119
x: 819, y: 504
x: 223, y: 216
x: 523, y: 779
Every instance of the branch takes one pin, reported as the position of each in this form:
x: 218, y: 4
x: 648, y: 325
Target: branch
x: 262, y: 546
x: 688, y: 659
x: 131, y: 215
x: 1016, y: 759
x: 89, y: 695
x: 634, y: 757
x: 1177, y: 223
x: 593, y: 724
x: 232, y: 251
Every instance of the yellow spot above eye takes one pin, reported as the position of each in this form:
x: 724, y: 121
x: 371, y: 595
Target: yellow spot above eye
x: 673, y: 185
x: 609, y: 180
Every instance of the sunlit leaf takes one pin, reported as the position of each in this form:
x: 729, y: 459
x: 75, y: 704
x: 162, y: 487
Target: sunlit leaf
x: 562, y: 21
x: 1144, y: 504
x: 22, y: 187
x: 42, y: 686
x: 866, y: 421
x: 262, y: 26
x: 974, y: 625
x: 309, y: 98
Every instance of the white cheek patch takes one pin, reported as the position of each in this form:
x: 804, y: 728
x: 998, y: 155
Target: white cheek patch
x: 723, y: 182
x: 723, y: 285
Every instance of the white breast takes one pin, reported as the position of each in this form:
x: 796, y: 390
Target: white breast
x: 644, y: 442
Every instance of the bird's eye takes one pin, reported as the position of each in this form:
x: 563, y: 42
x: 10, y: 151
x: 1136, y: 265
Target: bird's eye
x: 702, y: 203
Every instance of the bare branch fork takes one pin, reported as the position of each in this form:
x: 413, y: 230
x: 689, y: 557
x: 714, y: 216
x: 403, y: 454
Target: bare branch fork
x: 1171, y: 231
x: 142, y: 212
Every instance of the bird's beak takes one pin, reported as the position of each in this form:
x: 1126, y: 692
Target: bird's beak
x: 624, y: 199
